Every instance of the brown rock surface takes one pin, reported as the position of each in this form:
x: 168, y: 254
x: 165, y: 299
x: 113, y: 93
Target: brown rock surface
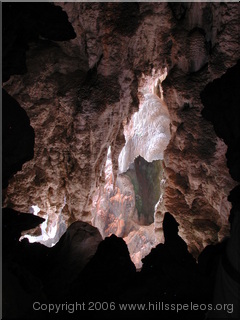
x: 80, y: 93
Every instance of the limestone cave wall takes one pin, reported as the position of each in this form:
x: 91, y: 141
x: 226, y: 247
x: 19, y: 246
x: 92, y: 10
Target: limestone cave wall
x: 81, y: 89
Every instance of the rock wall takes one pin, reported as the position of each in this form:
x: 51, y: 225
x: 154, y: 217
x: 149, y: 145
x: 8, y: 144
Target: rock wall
x: 77, y: 113
x: 79, y: 95
x: 126, y: 208
x: 197, y: 178
x: 147, y: 134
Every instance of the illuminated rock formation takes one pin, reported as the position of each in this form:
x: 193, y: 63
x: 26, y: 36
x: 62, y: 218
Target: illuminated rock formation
x: 92, y: 78
x: 80, y: 95
x: 148, y: 133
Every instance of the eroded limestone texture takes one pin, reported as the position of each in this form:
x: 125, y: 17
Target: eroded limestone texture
x: 79, y: 95
x: 148, y: 133
x: 126, y: 208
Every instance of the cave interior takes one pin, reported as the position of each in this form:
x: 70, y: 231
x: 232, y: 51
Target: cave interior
x: 120, y: 160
